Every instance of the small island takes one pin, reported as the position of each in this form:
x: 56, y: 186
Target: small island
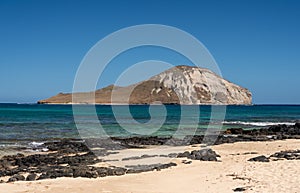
x: 179, y: 85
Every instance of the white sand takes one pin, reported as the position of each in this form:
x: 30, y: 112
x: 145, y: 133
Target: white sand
x: 275, y: 176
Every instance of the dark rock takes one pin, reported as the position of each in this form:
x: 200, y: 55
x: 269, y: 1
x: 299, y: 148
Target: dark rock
x: 212, y: 158
x: 164, y: 166
x: 91, y: 174
x: 184, y: 154
x: 163, y: 155
x: 12, y: 179
x: 16, y: 177
x: 172, y: 155
x: 134, y: 171
x: 67, y: 146
x: 186, y: 162
x: 203, y: 155
x: 140, y: 168
x: 239, y: 189
x: 289, y: 155
x: 131, y: 158
x: 191, y: 156
x: 31, y: 177
x: 146, y: 168
x: 67, y: 172
x: 261, y: 158
x: 80, y: 172
x: 19, y: 177
x: 275, y: 128
x: 110, y: 171
x: 119, y: 171
x: 102, y: 171
x: 234, y: 131
x: 252, y: 152
x: 148, y: 156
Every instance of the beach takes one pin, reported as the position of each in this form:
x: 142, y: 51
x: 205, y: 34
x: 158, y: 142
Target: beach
x: 231, y: 172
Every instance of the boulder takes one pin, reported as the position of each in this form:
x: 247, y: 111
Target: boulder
x: 31, y: 177
x: 12, y: 179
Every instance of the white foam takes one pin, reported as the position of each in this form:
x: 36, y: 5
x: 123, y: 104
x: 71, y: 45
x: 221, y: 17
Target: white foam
x: 36, y: 144
x: 45, y: 149
x: 257, y: 123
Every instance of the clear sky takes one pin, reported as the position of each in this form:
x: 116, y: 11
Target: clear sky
x: 256, y: 43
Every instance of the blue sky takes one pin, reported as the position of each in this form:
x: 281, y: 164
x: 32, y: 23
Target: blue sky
x: 255, y: 42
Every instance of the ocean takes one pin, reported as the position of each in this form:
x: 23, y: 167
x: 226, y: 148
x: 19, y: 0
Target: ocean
x: 31, y: 124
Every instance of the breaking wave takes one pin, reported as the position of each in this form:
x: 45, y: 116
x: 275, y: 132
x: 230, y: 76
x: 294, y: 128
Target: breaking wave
x: 262, y: 124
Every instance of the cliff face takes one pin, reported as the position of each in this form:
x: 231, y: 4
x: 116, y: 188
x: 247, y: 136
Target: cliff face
x: 178, y: 85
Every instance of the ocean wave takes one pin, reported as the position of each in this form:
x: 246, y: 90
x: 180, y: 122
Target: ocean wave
x: 257, y: 123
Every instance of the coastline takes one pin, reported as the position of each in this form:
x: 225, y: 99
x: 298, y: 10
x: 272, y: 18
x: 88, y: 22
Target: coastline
x: 154, y: 164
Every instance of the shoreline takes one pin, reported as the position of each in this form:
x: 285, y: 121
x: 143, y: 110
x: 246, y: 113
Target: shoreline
x: 274, y: 132
x: 121, y: 161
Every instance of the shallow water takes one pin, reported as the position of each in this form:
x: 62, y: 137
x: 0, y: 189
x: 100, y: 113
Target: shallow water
x: 24, y: 123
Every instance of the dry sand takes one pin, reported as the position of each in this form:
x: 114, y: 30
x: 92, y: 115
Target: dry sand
x: 233, y: 171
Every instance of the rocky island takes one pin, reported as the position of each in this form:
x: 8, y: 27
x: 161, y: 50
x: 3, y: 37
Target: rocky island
x: 178, y: 85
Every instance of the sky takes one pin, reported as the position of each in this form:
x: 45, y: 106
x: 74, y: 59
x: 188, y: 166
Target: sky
x: 254, y: 42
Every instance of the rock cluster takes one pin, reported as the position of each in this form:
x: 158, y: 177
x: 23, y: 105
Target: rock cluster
x: 203, y: 155
x: 67, y: 158
x: 49, y: 166
x: 232, y: 135
x: 278, y: 131
x: 288, y: 155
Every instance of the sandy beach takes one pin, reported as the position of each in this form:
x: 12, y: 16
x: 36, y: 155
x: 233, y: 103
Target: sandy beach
x: 231, y: 172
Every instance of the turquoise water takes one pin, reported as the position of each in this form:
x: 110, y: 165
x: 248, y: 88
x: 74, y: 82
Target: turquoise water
x: 33, y: 122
